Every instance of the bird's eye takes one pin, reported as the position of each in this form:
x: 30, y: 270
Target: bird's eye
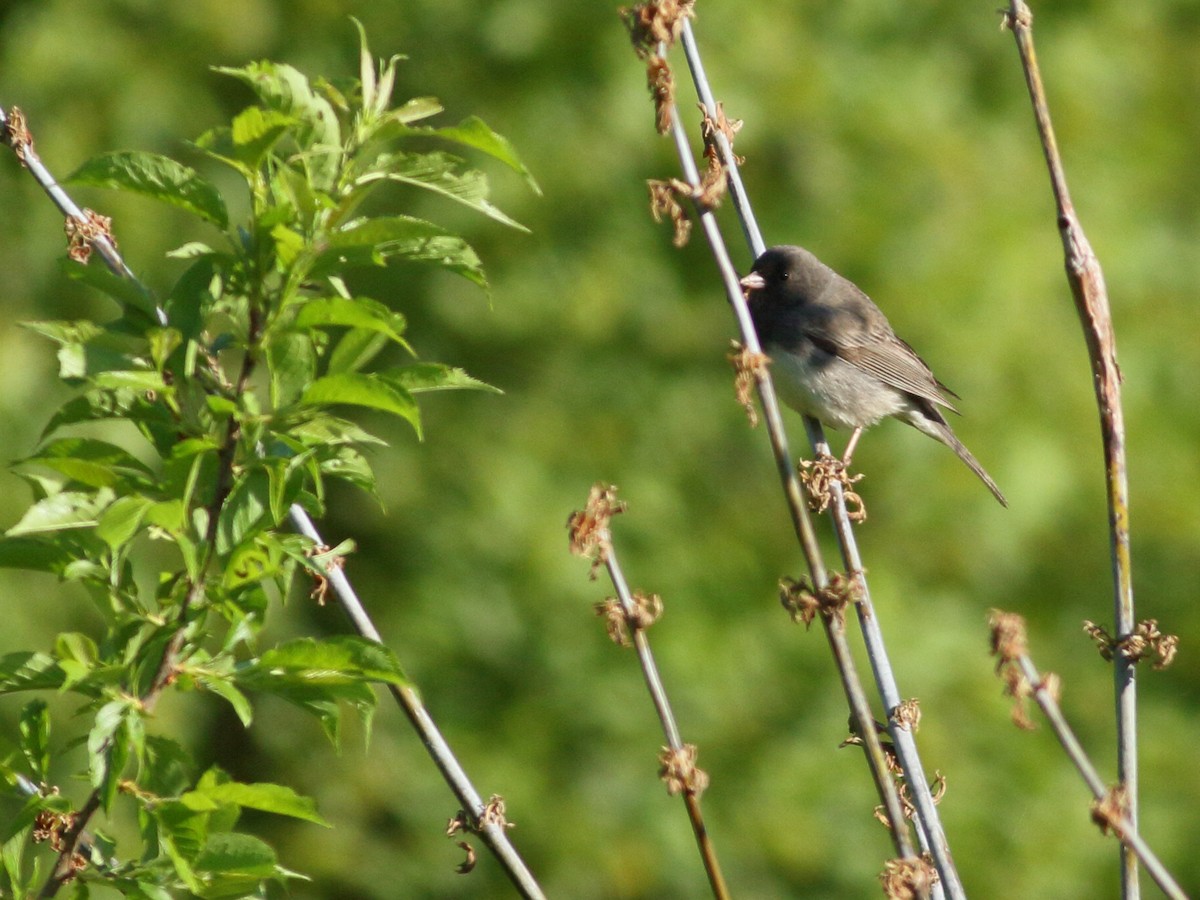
x: 783, y: 276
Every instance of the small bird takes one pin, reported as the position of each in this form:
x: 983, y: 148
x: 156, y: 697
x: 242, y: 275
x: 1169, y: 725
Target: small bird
x: 835, y: 356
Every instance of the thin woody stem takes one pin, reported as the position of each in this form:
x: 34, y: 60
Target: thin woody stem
x: 930, y: 832
x: 1086, y: 280
x: 798, y: 507
x: 662, y: 706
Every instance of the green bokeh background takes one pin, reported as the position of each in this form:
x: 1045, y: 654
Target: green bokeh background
x: 897, y: 143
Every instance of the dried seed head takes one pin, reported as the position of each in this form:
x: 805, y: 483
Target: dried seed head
x: 661, y: 82
x: 655, y: 22
x: 907, y: 715
x: 467, y: 864
x: 493, y: 814
x: 678, y: 770
x: 908, y: 879
x: 799, y: 599
x: 1008, y: 636
x: 749, y: 369
x: 588, y: 528
x: 818, y: 477
x: 1111, y: 812
x: 83, y: 232
x: 664, y: 203
x: 16, y: 134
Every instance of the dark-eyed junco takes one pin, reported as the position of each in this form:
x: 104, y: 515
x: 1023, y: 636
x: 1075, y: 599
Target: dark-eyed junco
x: 835, y: 357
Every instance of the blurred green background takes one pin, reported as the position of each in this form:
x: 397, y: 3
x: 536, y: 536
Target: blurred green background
x: 897, y: 143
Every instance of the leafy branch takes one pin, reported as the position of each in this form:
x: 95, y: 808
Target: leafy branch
x: 233, y: 380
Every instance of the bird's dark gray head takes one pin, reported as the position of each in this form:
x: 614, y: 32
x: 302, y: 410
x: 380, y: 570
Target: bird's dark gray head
x: 789, y: 272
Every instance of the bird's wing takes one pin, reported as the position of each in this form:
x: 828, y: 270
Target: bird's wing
x: 859, y: 334
x: 895, y: 363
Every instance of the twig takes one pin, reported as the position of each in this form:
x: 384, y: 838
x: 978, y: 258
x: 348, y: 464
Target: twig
x: 1111, y: 810
x: 930, y: 832
x: 490, y: 831
x: 590, y: 535
x: 1091, y: 302
x: 797, y: 507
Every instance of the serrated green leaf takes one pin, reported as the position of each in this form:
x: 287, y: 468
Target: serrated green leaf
x: 414, y: 110
x: 286, y: 90
x: 355, y: 349
x: 126, y: 291
x: 157, y: 177
x: 377, y: 240
x: 442, y: 174
x: 292, y: 362
x: 29, y: 671
x: 333, y: 661
x: 182, y: 834
x: 121, y: 521
x: 474, y: 132
x: 89, y: 461
x: 435, y: 377
x: 65, y: 510
x: 109, y: 744
x: 227, y: 691
x: 66, y: 332
x: 143, y: 380
x: 231, y: 853
x: 34, y: 727
x: 265, y: 797
x: 244, y: 510
x: 351, y: 466
x: 353, y: 389
x: 255, y: 130
x: 357, y: 312
x: 34, y: 554
x: 324, y: 430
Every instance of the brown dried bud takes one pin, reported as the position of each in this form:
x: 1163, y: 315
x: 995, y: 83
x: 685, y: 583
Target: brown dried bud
x: 588, y: 529
x: 678, y: 770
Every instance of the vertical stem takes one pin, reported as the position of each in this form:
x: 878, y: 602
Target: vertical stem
x: 1091, y: 301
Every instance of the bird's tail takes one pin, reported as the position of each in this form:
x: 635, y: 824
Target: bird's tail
x: 937, y: 427
x: 973, y: 464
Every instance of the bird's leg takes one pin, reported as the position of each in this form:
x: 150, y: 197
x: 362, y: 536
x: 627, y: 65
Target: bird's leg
x: 850, y: 445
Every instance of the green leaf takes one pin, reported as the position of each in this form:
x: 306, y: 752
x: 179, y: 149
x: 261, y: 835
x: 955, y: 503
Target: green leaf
x: 375, y: 241
x: 292, y: 362
x: 65, y: 510
x: 225, y: 689
x: 122, y: 520
x: 474, y: 132
x: 324, y: 430
x: 157, y: 177
x: 371, y: 391
x: 244, y: 510
x: 88, y: 461
x: 440, y: 173
x: 286, y: 90
x: 355, y: 349
x: 255, y: 131
x: 61, y: 332
x: 357, y: 312
x: 230, y: 853
x: 35, y: 738
x: 182, y: 834
x: 270, y: 798
x: 415, y: 109
x: 435, y: 377
x: 333, y: 661
x: 34, y: 554
x: 127, y: 291
x: 26, y: 671
x: 113, y: 736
